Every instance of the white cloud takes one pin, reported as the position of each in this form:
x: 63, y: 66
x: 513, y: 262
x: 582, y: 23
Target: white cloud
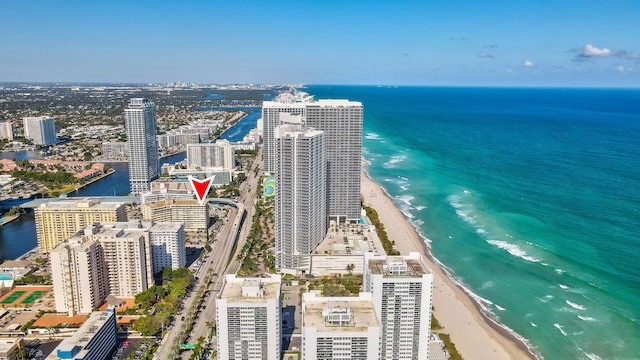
x: 527, y: 63
x: 619, y: 68
x: 509, y: 70
x: 588, y: 52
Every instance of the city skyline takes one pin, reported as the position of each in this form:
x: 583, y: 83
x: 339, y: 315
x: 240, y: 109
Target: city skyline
x: 457, y: 43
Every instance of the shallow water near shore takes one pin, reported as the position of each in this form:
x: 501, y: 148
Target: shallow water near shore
x: 530, y: 196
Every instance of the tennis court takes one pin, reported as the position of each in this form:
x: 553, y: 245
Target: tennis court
x: 31, y: 298
x: 12, y: 297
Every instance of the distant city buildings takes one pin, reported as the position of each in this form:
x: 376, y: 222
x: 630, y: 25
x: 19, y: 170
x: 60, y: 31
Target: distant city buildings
x: 300, y: 206
x: 402, y: 290
x: 115, y: 150
x: 140, y: 119
x: 339, y: 327
x: 56, y: 221
x: 41, y: 130
x: 7, y: 130
x: 248, y: 318
x: 96, y: 339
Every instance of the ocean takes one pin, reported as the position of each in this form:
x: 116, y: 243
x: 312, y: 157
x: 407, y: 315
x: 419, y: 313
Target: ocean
x: 529, y: 196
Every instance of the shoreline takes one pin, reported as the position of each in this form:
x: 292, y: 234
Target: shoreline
x: 474, y: 330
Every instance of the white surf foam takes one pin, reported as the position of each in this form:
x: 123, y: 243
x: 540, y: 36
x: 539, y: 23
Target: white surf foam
x: 586, y: 318
x: 513, y: 249
x: 394, y: 161
x: 591, y: 356
x: 533, y: 324
x: 420, y: 207
x: 563, y: 287
x: 500, y: 307
x: 575, y: 306
x: 406, y: 199
x: 546, y: 298
x: 372, y: 136
x: 559, y: 327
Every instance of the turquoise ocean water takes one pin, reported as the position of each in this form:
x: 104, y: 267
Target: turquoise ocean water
x: 531, y: 197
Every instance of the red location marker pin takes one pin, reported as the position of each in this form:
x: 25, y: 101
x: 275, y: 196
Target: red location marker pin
x: 201, y: 188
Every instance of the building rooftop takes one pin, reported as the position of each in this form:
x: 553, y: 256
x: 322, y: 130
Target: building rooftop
x: 398, y: 266
x: 331, y: 314
x: 85, y: 203
x: 178, y: 202
x: 84, y: 334
x: 355, y: 239
x: 250, y: 290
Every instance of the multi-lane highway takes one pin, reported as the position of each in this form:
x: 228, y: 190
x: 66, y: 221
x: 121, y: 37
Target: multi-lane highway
x: 215, y: 266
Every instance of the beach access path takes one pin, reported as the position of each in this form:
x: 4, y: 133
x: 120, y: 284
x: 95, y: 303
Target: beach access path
x: 475, y: 336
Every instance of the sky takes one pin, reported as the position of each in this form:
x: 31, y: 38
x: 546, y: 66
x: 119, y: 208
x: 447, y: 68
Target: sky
x: 564, y: 43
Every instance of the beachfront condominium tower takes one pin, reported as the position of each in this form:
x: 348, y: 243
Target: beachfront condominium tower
x: 339, y: 327
x: 300, y: 204
x: 79, y: 276
x: 402, y: 289
x: 248, y: 318
x: 272, y: 111
x: 41, y: 130
x: 341, y: 122
x: 56, y: 221
x: 140, y: 119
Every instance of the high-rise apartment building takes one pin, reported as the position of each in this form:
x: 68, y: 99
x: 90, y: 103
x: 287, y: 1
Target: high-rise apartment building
x: 140, y: 119
x: 248, y: 318
x: 217, y: 155
x: 41, y: 130
x: 56, y: 221
x: 7, y: 130
x: 79, y: 276
x: 127, y: 255
x: 341, y: 121
x: 188, y: 211
x: 402, y: 290
x: 339, y: 327
x: 116, y: 258
x: 272, y: 111
x: 300, y: 206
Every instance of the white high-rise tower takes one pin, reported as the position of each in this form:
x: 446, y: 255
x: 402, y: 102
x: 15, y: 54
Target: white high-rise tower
x: 402, y: 289
x: 341, y: 121
x: 301, y: 217
x: 41, y: 130
x: 140, y: 118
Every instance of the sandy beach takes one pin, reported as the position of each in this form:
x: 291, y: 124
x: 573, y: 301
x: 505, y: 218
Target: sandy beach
x: 475, y: 336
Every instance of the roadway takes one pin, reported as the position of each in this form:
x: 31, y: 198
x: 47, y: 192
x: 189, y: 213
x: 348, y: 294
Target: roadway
x: 216, y: 263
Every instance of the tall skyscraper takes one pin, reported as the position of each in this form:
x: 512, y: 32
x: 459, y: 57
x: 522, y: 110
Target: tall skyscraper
x: 79, y: 276
x: 300, y: 206
x: 339, y: 327
x: 140, y: 119
x: 286, y: 103
x: 341, y: 121
x: 56, y: 221
x: 248, y: 318
x: 7, y: 130
x: 402, y: 289
x: 41, y: 130
x: 217, y: 155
